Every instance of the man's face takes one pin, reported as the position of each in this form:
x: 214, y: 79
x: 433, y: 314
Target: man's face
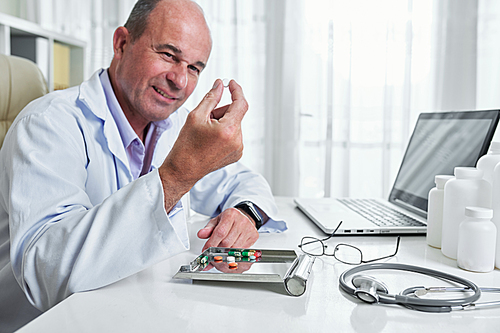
x: 158, y: 71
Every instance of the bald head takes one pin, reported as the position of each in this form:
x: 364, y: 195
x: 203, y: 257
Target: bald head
x: 139, y: 16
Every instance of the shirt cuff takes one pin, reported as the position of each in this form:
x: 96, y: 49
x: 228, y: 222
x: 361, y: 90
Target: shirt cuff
x: 273, y: 226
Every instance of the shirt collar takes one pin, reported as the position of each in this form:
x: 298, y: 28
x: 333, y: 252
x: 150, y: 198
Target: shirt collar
x: 127, y: 133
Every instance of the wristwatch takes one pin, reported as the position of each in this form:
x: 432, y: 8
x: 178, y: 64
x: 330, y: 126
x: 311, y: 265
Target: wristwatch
x: 250, y: 209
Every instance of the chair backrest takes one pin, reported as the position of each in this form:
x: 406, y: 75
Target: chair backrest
x: 21, y: 81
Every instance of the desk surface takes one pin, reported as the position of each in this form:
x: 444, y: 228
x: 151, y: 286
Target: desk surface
x: 151, y: 300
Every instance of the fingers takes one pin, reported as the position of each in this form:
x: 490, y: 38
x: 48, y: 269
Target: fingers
x: 239, y: 106
x: 219, y: 112
x: 207, y: 230
x: 211, y: 99
x: 230, y: 229
x: 237, y: 109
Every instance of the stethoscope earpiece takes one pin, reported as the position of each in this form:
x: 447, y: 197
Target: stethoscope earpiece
x: 368, y: 287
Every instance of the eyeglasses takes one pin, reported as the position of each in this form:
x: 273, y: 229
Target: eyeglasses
x: 345, y: 253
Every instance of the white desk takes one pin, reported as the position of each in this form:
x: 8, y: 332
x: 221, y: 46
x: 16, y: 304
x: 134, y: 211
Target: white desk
x: 151, y: 301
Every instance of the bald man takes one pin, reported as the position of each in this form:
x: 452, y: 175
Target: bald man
x: 91, y: 177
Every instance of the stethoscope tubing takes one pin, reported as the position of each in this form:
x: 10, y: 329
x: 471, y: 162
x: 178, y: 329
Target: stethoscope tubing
x: 420, y: 304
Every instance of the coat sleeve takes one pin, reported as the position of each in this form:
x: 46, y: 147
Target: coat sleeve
x: 62, y: 242
x: 227, y: 187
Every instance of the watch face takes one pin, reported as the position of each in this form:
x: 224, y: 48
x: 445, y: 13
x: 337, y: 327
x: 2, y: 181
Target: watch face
x: 249, y: 208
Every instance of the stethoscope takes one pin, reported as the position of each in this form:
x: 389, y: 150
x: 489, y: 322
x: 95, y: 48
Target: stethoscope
x: 371, y: 290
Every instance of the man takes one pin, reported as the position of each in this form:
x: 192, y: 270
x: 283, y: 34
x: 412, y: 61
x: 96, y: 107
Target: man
x: 91, y: 178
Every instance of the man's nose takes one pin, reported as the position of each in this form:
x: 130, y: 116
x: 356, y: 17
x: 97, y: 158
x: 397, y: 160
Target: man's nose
x: 178, y: 76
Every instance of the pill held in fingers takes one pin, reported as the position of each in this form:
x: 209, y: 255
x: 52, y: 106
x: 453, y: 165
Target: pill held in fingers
x: 225, y: 82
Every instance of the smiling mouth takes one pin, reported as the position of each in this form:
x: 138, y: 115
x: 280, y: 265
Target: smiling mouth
x: 162, y: 93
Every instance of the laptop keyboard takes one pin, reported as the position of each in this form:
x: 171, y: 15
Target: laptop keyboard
x: 380, y: 214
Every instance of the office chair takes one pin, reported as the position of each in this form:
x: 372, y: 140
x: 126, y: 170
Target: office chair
x: 21, y: 81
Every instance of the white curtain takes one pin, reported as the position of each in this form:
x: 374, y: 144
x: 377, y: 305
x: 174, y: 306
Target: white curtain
x: 373, y: 66
x: 256, y: 43
x: 334, y: 86
x: 337, y: 85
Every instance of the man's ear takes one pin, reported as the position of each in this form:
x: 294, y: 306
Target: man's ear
x: 121, y: 38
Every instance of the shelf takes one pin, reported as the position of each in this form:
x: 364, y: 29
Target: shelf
x: 29, y: 40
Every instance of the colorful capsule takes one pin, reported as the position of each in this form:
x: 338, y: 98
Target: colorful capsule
x: 233, y: 265
x: 218, y: 258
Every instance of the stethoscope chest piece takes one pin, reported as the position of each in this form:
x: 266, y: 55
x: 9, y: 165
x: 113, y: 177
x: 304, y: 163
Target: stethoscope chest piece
x: 368, y: 287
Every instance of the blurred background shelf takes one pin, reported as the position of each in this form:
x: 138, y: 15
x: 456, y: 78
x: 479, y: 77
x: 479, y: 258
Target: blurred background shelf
x: 60, y: 57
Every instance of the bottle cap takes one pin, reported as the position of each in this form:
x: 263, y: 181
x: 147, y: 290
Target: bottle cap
x: 440, y: 180
x: 468, y: 173
x: 495, y: 147
x: 479, y: 212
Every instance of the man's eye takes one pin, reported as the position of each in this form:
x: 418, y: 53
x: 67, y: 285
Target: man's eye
x: 168, y: 55
x: 194, y: 69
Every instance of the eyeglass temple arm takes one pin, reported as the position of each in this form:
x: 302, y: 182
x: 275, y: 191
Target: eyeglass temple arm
x: 331, y: 235
x: 390, y: 255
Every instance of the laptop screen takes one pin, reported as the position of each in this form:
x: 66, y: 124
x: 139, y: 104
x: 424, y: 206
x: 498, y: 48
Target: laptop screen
x: 440, y: 142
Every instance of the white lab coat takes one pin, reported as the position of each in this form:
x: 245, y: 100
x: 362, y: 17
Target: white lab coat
x: 77, y: 219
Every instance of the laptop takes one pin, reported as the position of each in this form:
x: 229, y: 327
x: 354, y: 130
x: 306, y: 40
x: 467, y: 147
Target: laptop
x: 440, y: 142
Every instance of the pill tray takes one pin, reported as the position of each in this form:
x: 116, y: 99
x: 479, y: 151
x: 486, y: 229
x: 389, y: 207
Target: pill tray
x: 270, y: 266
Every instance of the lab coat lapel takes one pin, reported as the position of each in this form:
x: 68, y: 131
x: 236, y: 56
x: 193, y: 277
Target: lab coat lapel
x: 92, y: 95
x: 173, y: 126
x: 163, y: 147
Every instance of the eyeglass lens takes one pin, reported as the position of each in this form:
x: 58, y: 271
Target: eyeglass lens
x: 312, y: 246
x: 348, y: 254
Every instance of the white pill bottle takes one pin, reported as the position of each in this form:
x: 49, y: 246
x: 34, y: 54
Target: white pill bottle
x: 488, y: 162
x: 468, y: 188
x: 477, y: 240
x: 496, y: 210
x: 435, y: 211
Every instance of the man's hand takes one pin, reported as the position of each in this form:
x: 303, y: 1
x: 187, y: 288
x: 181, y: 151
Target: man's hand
x: 232, y: 228
x: 209, y: 140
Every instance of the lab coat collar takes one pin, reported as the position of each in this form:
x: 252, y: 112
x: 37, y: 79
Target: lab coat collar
x: 92, y: 96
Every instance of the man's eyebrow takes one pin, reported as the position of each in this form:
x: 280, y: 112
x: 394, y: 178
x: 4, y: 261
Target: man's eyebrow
x: 176, y: 50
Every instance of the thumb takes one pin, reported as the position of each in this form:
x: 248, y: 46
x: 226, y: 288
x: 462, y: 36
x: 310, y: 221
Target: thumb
x: 211, y: 99
x: 206, y: 232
